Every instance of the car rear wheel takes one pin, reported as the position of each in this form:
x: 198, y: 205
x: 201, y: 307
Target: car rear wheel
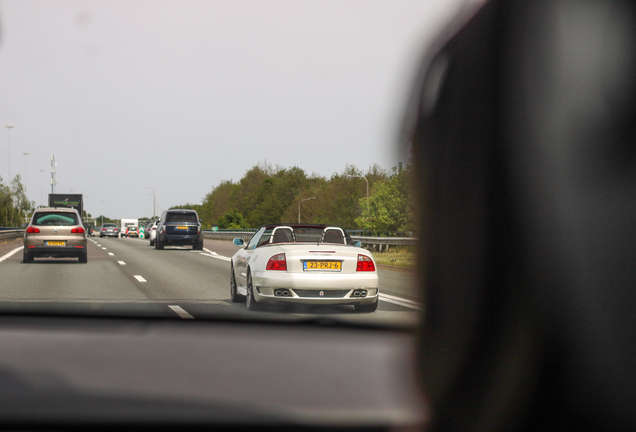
x: 249, y: 299
x: 26, y: 258
x: 234, y: 295
x: 83, y: 258
x: 159, y: 244
x: 198, y: 245
x: 367, y: 307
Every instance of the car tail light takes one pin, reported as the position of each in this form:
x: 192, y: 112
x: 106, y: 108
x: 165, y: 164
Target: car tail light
x: 277, y: 262
x: 365, y: 263
x: 103, y: 229
x: 32, y: 230
x: 78, y: 230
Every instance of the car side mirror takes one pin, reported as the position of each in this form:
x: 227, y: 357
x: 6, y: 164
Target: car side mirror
x: 238, y: 242
x: 24, y: 225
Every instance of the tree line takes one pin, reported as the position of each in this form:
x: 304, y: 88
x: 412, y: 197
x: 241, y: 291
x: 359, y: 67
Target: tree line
x: 14, y: 204
x: 268, y: 195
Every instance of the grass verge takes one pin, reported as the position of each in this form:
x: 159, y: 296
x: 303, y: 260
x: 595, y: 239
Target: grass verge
x: 396, y: 257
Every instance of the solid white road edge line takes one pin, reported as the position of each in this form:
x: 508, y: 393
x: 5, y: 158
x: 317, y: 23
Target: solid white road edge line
x: 179, y: 311
x: 11, y: 253
x: 407, y: 305
x: 140, y: 278
x: 401, y: 299
x: 216, y: 255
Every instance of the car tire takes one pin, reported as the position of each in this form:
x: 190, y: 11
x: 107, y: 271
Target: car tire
x: 159, y: 244
x: 83, y: 258
x: 198, y: 245
x: 26, y: 258
x: 249, y: 299
x: 367, y: 307
x: 234, y: 295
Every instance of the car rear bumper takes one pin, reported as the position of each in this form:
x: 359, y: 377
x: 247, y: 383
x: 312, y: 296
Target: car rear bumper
x: 305, y: 288
x: 55, y: 251
x: 109, y: 234
x: 181, y: 239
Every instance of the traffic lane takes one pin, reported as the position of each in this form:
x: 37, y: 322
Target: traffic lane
x: 174, y: 273
x: 48, y: 284
x: 94, y: 288
x: 222, y: 247
x: 214, y: 301
x: 399, y: 283
x: 217, y: 303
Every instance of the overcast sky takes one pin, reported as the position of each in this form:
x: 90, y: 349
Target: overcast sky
x: 180, y: 95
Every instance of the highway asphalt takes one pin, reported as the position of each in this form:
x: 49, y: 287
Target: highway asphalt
x: 129, y: 277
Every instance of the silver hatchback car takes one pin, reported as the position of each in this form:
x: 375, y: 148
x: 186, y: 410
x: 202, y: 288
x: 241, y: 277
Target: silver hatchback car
x: 56, y: 233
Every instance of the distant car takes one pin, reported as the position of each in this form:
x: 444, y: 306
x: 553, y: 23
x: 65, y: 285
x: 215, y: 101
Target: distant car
x: 151, y: 233
x: 95, y: 230
x: 132, y: 231
x: 309, y: 264
x: 178, y: 227
x: 147, y: 228
x: 55, y: 233
x: 109, y: 230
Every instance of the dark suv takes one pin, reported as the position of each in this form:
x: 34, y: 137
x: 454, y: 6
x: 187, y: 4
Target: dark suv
x: 179, y: 227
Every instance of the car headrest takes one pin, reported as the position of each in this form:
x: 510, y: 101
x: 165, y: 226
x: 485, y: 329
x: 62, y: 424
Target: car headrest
x: 522, y: 129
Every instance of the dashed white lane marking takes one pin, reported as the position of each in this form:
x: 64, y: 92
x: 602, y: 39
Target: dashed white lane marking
x: 99, y: 245
x: 400, y: 301
x: 104, y: 248
x: 179, y: 311
x: 140, y: 278
x: 213, y: 254
x: 121, y: 263
x: 111, y: 254
x: 11, y: 253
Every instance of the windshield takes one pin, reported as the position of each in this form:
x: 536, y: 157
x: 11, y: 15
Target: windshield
x: 259, y: 114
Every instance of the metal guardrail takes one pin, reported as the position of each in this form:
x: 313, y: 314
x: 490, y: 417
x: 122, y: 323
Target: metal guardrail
x: 228, y: 235
x: 366, y: 241
x: 10, y: 234
x: 386, y: 241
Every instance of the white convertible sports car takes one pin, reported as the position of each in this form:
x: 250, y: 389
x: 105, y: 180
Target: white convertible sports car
x: 302, y: 263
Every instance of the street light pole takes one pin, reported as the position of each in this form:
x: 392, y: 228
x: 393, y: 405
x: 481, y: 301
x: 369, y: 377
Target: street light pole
x: 9, y: 127
x: 102, y: 212
x: 42, y: 188
x: 25, y: 172
x: 306, y: 199
x: 154, y: 212
x: 365, y: 179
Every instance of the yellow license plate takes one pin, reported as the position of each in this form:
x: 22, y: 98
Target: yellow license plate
x: 55, y: 243
x: 322, y: 265
x: 182, y: 227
